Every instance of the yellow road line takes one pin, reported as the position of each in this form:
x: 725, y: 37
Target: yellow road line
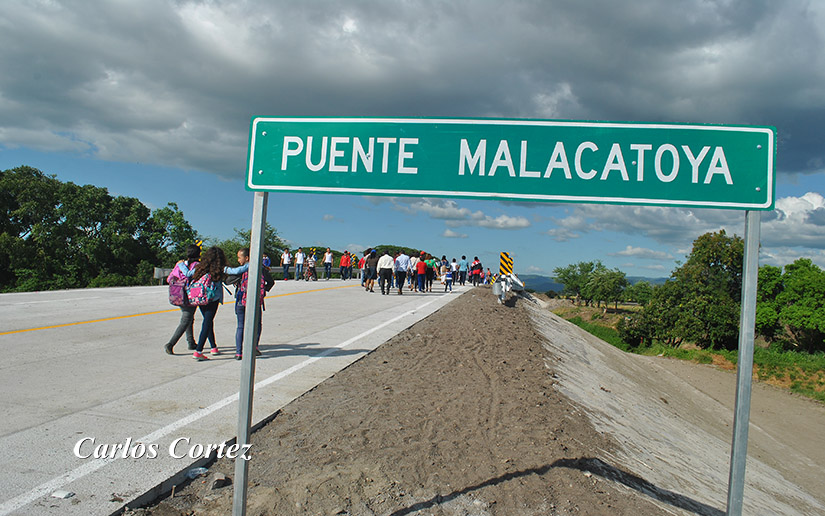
x: 160, y: 312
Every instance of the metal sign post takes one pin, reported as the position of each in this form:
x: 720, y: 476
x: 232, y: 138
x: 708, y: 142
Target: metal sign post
x: 251, y: 318
x: 744, y: 364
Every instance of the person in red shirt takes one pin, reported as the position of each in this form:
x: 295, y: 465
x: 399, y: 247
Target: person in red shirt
x: 421, y: 271
x: 475, y: 271
x: 344, y: 265
x: 362, y: 267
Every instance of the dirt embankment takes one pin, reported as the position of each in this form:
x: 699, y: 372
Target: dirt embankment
x: 456, y: 415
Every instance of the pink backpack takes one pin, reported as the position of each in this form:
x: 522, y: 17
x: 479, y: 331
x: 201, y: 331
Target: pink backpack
x: 244, y: 287
x: 202, y: 291
x: 177, y: 286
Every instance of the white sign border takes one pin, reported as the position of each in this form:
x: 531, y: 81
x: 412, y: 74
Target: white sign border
x: 515, y: 197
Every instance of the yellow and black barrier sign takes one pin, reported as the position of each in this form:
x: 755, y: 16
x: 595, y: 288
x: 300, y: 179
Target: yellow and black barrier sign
x: 506, y: 265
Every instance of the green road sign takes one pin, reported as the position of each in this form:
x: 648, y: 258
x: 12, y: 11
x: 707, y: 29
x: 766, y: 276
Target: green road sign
x: 709, y: 166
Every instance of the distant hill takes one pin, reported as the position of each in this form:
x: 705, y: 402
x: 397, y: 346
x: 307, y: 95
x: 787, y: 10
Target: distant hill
x: 540, y: 283
x: 544, y: 283
x: 653, y: 281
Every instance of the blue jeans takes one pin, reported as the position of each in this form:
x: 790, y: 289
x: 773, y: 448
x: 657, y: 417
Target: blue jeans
x: 208, y: 327
x: 299, y: 271
x: 286, y: 271
x: 421, y: 280
x: 327, y: 270
x: 240, y: 312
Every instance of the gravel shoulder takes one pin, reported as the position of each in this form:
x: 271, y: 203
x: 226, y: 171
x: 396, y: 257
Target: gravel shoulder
x: 467, y: 412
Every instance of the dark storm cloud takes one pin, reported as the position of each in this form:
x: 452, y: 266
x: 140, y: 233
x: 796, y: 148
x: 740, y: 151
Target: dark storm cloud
x: 176, y: 83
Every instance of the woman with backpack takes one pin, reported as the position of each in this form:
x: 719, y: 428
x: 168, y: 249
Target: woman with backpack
x: 187, y: 311
x: 205, y: 290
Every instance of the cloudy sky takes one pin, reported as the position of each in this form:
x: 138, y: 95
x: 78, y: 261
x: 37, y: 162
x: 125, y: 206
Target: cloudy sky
x: 153, y: 99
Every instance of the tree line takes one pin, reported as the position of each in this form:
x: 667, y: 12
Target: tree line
x: 700, y: 302
x: 59, y: 235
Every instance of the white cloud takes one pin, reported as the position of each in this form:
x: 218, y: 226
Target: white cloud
x: 435, y: 208
x: 795, y: 228
x: 456, y: 216
x: 562, y: 234
x: 448, y: 233
x: 644, y: 253
x: 502, y: 222
x: 356, y: 249
x: 657, y: 268
x: 796, y: 221
x: 327, y: 217
x: 781, y: 256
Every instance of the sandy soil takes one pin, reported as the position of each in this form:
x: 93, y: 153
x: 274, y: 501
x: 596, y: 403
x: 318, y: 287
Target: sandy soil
x: 461, y: 414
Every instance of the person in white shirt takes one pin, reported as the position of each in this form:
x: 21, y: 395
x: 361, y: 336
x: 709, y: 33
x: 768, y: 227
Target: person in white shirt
x: 384, y: 266
x: 327, y: 264
x: 286, y: 260
x: 402, y: 265
x: 414, y: 272
x: 299, y: 263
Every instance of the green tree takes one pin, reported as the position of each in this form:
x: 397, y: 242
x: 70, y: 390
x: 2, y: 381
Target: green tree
x: 658, y: 320
x: 767, y: 309
x: 802, y: 304
x: 61, y: 235
x: 273, y: 245
x: 169, y: 233
x: 28, y: 202
x: 700, y: 303
x: 663, y: 313
x: 575, y: 279
x: 606, y: 285
x: 392, y: 249
x: 639, y: 292
x: 712, y: 277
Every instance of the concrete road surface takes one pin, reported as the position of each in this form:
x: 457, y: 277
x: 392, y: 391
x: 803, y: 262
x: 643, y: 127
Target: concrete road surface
x: 85, y: 371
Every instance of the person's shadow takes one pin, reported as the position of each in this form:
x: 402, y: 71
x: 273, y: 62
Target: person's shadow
x: 304, y: 349
x: 592, y: 465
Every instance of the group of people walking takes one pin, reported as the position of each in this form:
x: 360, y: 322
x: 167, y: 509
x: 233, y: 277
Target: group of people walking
x: 306, y: 263
x: 460, y: 271
x: 418, y: 273
x: 210, y: 273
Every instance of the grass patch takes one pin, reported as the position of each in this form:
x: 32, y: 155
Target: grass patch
x: 606, y: 333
